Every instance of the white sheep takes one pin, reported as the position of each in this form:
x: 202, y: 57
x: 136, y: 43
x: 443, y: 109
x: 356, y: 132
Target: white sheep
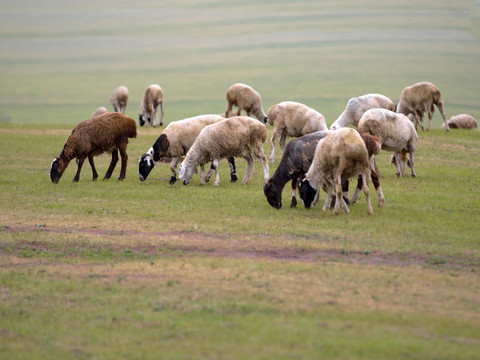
x: 419, y: 98
x: 395, y: 132
x: 244, y: 97
x: 357, y: 106
x: 342, y: 154
x: 291, y: 118
x: 152, y: 98
x: 461, y: 121
x: 119, y: 99
x: 174, y: 143
x: 237, y: 136
x: 99, y: 111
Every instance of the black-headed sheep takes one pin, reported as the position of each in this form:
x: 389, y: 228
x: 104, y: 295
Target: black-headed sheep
x: 357, y: 106
x: 244, y: 97
x: 291, y: 118
x: 119, y: 99
x: 395, y: 132
x: 152, y: 98
x: 461, y: 121
x: 174, y: 143
x: 419, y: 98
x: 238, y: 136
x: 108, y: 132
x: 341, y: 155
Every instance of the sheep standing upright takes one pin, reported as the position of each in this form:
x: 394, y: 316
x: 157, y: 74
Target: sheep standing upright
x: 152, y: 98
x: 291, y: 118
x: 237, y: 136
x: 461, y: 121
x: 357, y: 106
x: 107, y: 132
x: 395, y: 132
x: 419, y: 98
x: 246, y: 98
x: 342, y: 154
x: 119, y: 99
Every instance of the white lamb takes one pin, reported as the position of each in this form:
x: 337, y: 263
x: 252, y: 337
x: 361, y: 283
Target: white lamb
x: 395, y: 132
x: 238, y: 136
x: 357, y: 106
x: 119, y: 99
x: 152, y: 98
x: 244, y: 97
x: 291, y: 118
x: 461, y: 121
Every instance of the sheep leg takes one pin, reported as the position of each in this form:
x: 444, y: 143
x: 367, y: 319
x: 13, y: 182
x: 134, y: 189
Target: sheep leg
x: 410, y: 165
x: 205, y: 178
x: 294, y: 192
x: 233, y: 169
x: 92, y: 165
x: 398, y: 173
x: 248, y: 173
x: 340, y: 203
x: 124, y: 156
x: 162, y: 113
x: 378, y: 188
x: 173, y: 168
x: 327, y: 199
x: 282, y: 142
x: 273, y: 142
x: 440, y: 107
x: 217, y: 172
x: 366, y: 191
x: 229, y: 109
x: 155, y: 116
x: 80, y: 161
x: 354, y: 198
x: 266, y: 170
x: 113, y: 163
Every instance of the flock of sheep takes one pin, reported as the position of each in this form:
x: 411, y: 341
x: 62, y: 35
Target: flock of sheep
x: 320, y: 158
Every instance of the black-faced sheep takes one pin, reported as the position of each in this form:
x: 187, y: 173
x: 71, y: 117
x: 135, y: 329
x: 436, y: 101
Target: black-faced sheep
x: 291, y: 118
x: 461, y: 121
x: 246, y: 98
x: 357, y: 106
x: 395, y: 132
x: 119, y: 99
x: 238, y: 136
x: 174, y: 143
x: 100, y: 110
x: 419, y: 98
x: 108, y: 132
x: 152, y: 98
x: 342, y: 154
x: 296, y: 161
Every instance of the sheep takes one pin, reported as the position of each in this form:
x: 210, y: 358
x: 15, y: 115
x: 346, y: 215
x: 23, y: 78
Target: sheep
x: 99, y: 111
x: 342, y: 154
x: 119, y: 99
x: 107, y: 132
x: 395, y: 132
x: 237, y: 136
x: 357, y: 106
x: 418, y: 98
x: 462, y: 121
x: 296, y: 160
x: 152, y: 98
x: 291, y: 118
x: 246, y: 98
x: 174, y: 143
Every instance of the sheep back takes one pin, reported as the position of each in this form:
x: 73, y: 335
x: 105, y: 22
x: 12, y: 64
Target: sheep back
x: 295, y: 118
x: 152, y: 97
x: 418, y: 98
x: 462, y: 121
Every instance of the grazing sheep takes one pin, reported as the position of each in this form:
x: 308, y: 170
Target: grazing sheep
x: 107, y: 132
x: 341, y: 155
x: 246, y: 98
x: 101, y: 110
x: 357, y: 106
x: 237, y: 136
x: 291, y: 118
x: 119, y: 99
x: 296, y: 161
x: 152, y: 97
x: 418, y: 98
x: 462, y: 121
x: 395, y: 132
x: 174, y: 142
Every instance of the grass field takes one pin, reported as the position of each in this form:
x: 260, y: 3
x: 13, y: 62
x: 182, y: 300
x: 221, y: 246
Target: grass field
x: 142, y: 270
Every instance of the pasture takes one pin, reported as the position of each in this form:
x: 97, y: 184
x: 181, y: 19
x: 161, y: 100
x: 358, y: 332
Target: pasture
x: 132, y: 269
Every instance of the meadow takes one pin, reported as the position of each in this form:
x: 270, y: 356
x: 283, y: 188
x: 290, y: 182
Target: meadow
x: 141, y: 270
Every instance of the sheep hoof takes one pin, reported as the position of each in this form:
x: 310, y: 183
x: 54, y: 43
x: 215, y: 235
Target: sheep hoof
x: 294, y: 202
x: 233, y: 177
x: 381, y: 202
x: 173, y: 180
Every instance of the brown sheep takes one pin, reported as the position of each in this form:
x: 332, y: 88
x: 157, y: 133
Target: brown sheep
x: 462, y: 121
x: 419, y: 98
x: 119, y: 99
x: 108, y: 132
x: 152, y: 98
x: 246, y: 98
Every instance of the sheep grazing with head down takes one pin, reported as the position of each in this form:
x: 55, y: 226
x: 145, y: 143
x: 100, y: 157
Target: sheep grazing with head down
x: 341, y: 155
x: 174, y: 143
x: 100, y: 110
x: 357, y: 106
x: 107, y: 132
x: 119, y: 99
x: 419, y: 98
x: 462, y: 121
x: 238, y: 136
x: 246, y: 98
x: 152, y: 98
x: 395, y: 132
x: 291, y: 118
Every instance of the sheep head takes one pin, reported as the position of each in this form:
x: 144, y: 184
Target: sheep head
x: 274, y: 197
x: 186, y: 172
x: 57, y: 168
x: 307, y: 193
